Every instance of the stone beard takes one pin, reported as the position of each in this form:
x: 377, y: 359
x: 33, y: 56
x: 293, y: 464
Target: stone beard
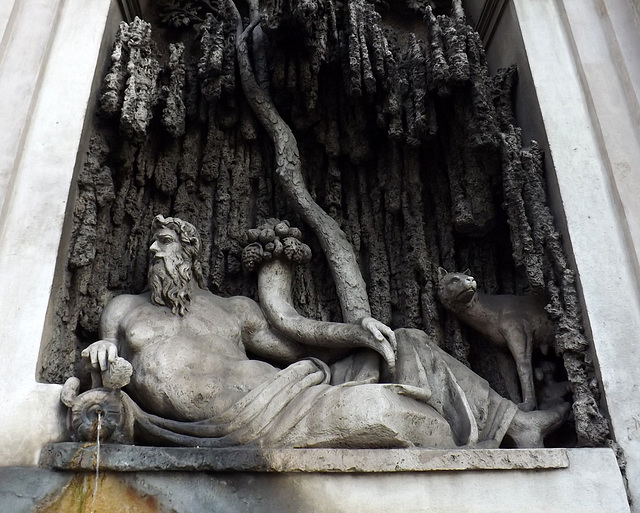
x: 169, y: 278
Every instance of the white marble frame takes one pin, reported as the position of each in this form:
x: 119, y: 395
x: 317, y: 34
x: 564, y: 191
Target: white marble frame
x: 578, y: 60
x: 59, y: 48
x: 51, y: 146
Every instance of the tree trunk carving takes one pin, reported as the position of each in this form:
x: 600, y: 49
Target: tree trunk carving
x: 350, y: 286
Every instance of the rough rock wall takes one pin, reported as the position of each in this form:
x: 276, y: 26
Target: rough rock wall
x: 404, y: 138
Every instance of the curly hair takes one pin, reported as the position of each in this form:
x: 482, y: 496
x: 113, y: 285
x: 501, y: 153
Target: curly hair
x: 189, y: 239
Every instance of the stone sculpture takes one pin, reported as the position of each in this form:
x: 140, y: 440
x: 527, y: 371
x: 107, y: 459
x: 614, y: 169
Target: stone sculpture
x: 376, y: 124
x: 102, y: 405
x: 195, y: 385
x: 550, y: 392
x: 513, y: 323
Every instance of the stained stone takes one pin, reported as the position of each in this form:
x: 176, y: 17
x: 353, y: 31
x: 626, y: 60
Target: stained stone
x: 127, y: 458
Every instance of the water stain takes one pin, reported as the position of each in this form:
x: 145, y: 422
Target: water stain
x: 114, y: 496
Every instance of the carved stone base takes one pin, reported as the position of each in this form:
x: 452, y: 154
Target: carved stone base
x: 332, y: 481
x: 129, y: 458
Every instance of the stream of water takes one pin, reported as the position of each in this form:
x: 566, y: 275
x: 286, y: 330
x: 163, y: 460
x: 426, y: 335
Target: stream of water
x: 95, y: 486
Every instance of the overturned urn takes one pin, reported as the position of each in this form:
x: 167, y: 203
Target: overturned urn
x: 97, y: 413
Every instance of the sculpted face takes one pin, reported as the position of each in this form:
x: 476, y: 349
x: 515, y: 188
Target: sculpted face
x: 165, y: 242
x: 169, y: 272
x: 457, y: 288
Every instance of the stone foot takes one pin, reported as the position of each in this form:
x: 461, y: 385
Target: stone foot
x: 527, y: 405
x: 528, y: 429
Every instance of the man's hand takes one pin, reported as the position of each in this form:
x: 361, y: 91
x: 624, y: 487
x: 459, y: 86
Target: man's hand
x: 101, y: 354
x: 386, y: 337
x: 380, y: 331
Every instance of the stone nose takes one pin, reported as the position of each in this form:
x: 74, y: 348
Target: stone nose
x: 154, y: 247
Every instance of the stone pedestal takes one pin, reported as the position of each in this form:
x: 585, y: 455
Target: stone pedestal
x: 325, y: 480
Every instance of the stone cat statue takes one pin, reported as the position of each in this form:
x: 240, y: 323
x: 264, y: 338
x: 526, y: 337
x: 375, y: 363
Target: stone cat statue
x: 516, y: 323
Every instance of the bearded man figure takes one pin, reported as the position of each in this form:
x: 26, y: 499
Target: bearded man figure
x: 171, y: 272
x: 194, y: 384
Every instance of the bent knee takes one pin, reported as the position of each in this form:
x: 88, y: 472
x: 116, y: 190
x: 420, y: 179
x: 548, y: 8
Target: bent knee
x: 384, y: 418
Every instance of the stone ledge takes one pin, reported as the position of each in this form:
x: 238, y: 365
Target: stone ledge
x: 131, y: 458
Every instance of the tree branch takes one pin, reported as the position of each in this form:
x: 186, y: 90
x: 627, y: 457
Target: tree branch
x: 350, y: 286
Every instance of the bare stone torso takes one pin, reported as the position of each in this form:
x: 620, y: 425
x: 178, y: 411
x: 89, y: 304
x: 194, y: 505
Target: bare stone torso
x: 190, y: 367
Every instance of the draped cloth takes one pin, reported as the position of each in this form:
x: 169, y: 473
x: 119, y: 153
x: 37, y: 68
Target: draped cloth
x: 435, y: 402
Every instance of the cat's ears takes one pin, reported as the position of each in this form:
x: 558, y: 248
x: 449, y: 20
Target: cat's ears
x: 442, y: 272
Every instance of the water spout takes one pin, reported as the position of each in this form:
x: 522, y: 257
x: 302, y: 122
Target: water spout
x: 95, y: 486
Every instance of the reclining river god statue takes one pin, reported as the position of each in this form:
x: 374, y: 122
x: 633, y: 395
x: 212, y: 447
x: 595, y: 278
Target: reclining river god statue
x: 210, y: 371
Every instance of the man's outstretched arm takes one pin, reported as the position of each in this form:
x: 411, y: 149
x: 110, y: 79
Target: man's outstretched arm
x: 308, y: 337
x: 263, y: 341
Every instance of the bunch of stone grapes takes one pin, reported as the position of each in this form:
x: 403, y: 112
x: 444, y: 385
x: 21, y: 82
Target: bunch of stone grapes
x: 274, y: 239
